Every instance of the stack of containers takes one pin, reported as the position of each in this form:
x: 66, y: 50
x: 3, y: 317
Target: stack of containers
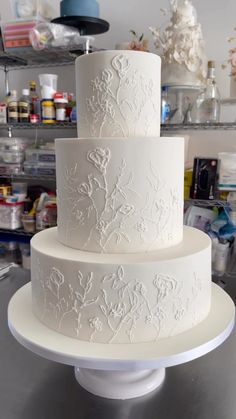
x: 16, y: 34
x: 10, y: 214
x: 40, y: 162
x: 11, y: 208
x: 12, y: 154
x: 27, y: 14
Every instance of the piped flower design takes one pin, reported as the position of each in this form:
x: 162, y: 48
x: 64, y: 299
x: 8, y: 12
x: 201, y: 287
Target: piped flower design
x: 113, y: 308
x: 100, y: 158
x: 95, y: 324
x: 85, y: 189
x: 55, y: 280
x: 121, y: 64
x: 164, y: 285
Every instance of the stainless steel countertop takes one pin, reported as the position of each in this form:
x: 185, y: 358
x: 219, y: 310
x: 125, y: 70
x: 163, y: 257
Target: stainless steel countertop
x: 34, y: 388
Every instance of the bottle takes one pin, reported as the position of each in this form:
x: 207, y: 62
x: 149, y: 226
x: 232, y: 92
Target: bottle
x: 48, y: 111
x: 207, y: 106
x: 70, y: 105
x: 165, y: 106
x: 12, y: 108
x: 73, y: 115
x: 35, y: 106
x: 60, y: 101
x: 24, y: 106
x: 221, y: 258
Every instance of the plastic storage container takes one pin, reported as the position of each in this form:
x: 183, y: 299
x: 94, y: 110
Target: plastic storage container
x: 10, y: 169
x: 36, y: 155
x: 15, y: 34
x: 28, y: 222
x: 27, y: 9
x: 13, y: 144
x: 44, y: 169
x: 47, y: 216
x: 227, y: 171
x: 19, y: 188
x: 10, y: 215
x: 12, y: 156
x: 5, y: 190
x: 25, y: 255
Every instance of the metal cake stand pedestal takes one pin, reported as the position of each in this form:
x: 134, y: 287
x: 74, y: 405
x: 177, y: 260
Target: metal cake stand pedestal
x: 180, y: 92
x: 85, y: 24
x: 121, y: 371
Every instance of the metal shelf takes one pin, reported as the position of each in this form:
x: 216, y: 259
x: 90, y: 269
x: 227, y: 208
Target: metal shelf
x: 165, y: 127
x: 20, y: 125
x: 18, y: 232
x: 20, y: 58
x: 207, y: 203
x: 201, y: 127
x: 30, y: 177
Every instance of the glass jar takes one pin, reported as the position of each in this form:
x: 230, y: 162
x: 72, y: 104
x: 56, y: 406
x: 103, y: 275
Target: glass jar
x: 47, y: 216
x: 61, y: 101
x: 48, y: 111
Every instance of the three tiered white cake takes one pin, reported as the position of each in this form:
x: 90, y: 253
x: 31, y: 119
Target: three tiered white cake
x: 120, y: 267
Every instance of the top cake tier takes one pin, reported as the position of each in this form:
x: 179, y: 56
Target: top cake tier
x: 118, y: 94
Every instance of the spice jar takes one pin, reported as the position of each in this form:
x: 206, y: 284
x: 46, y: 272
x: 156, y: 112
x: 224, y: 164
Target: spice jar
x: 34, y: 118
x: 48, y: 111
x: 61, y: 101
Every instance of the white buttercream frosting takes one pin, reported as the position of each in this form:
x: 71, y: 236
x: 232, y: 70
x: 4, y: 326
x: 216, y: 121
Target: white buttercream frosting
x: 119, y: 195
x: 118, y: 94
x: 120, y: 267
x: 121, y: 298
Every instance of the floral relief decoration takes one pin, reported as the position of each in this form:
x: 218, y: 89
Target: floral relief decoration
x: 111, y: 210
x: 113, y: 307
x: 121, y: 96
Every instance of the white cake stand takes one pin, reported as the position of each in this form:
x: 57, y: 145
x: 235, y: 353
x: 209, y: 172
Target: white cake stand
x: 126, y: 370
x: 180, y: 91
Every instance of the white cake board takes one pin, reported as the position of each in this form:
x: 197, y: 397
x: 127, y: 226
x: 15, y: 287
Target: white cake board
x: 120, y: 371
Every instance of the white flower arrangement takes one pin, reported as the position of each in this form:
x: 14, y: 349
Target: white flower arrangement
x: 182, y: 42
x: 231, y: 61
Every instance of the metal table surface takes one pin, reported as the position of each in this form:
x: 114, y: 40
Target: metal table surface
x: 35, y: 388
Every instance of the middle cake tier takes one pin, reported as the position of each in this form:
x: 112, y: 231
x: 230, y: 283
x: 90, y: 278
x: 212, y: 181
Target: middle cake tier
x: 119, y: 195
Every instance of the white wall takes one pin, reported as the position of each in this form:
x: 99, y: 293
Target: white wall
x: 216, y: 16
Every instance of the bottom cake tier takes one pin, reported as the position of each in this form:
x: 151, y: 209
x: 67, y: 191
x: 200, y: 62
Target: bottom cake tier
x: 121, y: 298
